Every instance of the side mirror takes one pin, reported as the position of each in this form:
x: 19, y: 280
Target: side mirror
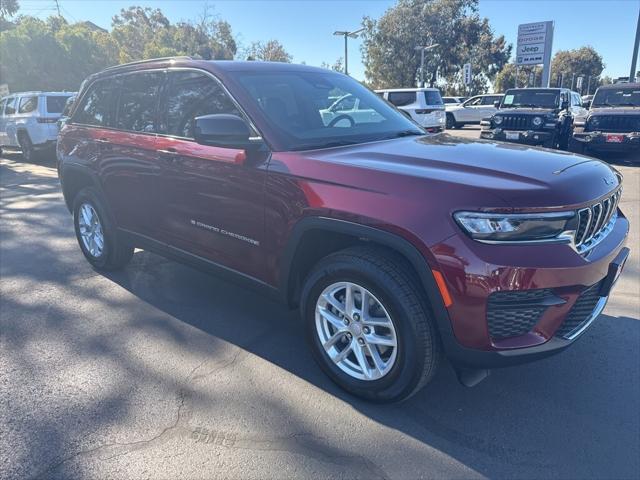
x: 564, y: 105
x: 496, y: 104
x: 223, y: 130
x: 586, y: 104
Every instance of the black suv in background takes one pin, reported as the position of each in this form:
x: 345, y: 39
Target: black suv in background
x: 535, y: 116
x: 612, y: 123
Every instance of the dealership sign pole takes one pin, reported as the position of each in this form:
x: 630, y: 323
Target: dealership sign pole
x: 535, y: 41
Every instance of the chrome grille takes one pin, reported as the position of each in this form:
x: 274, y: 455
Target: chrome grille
x: 595, y: 222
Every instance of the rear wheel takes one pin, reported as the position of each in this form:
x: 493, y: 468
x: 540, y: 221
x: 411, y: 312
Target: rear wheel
x: 368, y: 326
x: 96, y: 233
x: 29, y: 154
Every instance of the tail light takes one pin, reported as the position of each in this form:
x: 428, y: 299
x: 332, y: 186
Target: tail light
x: 47, y: 120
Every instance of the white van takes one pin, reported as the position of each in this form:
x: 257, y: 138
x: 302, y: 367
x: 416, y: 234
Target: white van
x: 424, y: 105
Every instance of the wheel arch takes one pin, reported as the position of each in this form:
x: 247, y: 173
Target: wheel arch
x: 74, y: 178
x: 295, y: 264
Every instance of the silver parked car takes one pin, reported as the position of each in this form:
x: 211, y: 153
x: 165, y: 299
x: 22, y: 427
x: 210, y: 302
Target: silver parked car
x: 472, y: 111
x: 28, y: 121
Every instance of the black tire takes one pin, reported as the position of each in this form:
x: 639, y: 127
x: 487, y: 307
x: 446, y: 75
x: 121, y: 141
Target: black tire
x: 450, y: 121
x: 29, y: 153
x: 387, y: 276
x: 115, y: 252
x: 576, y: 147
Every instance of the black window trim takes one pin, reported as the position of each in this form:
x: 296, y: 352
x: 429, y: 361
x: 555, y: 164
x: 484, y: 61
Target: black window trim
x: 163, y: 86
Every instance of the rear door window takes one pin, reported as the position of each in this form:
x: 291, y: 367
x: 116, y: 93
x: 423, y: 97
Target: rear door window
x: 137, y: 106
x: 189, y: 95
x: 28, y: 104
x: 56, y: 104
x: 400, y: 99
x: 98, y: 104
x: 10, y: 109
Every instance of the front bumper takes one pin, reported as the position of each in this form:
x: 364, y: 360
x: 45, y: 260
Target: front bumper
x: 473, y: 272
x: 608, y: 141
x: 527, y: 137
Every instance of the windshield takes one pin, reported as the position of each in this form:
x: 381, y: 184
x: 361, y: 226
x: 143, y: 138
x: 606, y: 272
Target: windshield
x: 617, y: 97
x: 318, y: 110
x: 531, y: 98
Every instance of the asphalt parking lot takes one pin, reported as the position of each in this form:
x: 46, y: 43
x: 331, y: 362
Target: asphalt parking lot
x: 160, y: 371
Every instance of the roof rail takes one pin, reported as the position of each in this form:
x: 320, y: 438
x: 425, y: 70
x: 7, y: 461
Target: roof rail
x: 149, y: 60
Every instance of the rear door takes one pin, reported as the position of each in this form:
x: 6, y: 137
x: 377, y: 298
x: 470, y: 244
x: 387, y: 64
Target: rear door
x: 213, y: 203
x: 3, y: 126
x: 469, y: 111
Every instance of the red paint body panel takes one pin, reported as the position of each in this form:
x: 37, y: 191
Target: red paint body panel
x: 239, y: 210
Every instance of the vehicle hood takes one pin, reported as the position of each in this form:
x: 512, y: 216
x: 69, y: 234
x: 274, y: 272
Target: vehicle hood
x: 614, y: 111
x: 462, y: 172
x: 526, y: 111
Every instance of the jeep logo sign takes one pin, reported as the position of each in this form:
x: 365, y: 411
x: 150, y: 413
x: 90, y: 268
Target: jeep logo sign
x: 534, y: 39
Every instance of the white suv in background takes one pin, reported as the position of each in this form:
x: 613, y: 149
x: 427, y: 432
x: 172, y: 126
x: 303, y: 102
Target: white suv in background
x: 472, y: 110
x: 424, y: 105
x: 28, y: 121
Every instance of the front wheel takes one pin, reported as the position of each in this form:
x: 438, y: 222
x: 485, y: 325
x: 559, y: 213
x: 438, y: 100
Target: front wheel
x: 368, y: 325
x: 96, y: 233
x: 450, y: 121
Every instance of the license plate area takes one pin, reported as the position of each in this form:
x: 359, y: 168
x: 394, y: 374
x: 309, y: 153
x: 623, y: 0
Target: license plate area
x: 512, y: 135
x: 615, y: 138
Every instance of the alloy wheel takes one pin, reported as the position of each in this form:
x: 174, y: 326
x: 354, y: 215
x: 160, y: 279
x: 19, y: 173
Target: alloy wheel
x: 90, y: 230
x: 356, y: 331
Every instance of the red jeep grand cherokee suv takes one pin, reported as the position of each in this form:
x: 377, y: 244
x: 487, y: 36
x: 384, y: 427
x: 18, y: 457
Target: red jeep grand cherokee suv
x: 395, y: 245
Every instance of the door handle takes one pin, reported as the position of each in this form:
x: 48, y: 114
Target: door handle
x: 169, y: 155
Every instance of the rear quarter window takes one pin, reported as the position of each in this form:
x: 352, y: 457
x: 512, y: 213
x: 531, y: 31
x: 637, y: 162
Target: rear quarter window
x: 10, y: 109
x: 432, y: 97
x: 56, y: 104
x: 28, y: 104
x: 400, y: 99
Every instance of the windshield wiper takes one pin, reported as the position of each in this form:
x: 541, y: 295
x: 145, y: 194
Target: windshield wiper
x: 317, y: 146
x: 404, y: 133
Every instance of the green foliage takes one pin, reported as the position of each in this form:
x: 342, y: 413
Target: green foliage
x: 337, y: 66
x: 8, y: 8
x: 391, y: 60
x: 583, y: 61
x: 270, y: 51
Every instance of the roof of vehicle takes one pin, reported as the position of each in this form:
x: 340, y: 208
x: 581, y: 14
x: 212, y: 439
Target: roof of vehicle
x: 38, y: 92
x: 616, y: 86
x: 419, y: 89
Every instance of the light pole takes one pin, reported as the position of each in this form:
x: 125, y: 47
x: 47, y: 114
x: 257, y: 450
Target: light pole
x: 424, y: 48
x: 346, y: 35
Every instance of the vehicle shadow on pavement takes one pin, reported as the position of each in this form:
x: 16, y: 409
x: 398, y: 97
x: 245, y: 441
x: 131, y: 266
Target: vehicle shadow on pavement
x: 89, y: 357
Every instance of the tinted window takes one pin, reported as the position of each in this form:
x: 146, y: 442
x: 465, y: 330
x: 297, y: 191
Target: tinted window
x: 293, y: 105
x: 622, y: 96
x: 432, y: 97
x: 190, y: 95
x: 98, y: 104
x: 56, y: 104
x: 531, y: 98
x: 489, y: 100
x: 11, y: 106
x: 449, y: 100
x: 28, y: 104
x: 400, y: 99
x: 138, y: 100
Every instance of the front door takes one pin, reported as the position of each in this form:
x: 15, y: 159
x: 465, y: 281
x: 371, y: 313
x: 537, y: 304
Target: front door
x: 213, y: 201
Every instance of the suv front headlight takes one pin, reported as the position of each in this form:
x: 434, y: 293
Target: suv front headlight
x: 516, y: 227
x: 497, y: 120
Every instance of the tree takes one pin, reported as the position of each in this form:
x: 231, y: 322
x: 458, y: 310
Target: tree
x: 506, y: 78
x: 584, y: 61
x: 389, y: 53
x: 271, y: 51
x: 338, y: 65
x: 8, y: 8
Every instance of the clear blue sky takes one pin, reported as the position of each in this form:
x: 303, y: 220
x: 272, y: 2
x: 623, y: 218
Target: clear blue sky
x: 305, y: 27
